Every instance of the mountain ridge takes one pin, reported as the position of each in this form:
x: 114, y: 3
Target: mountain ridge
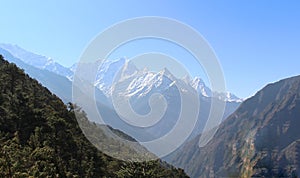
x: 105, y: 74
x: 259, y: 139
x: 38, y: 61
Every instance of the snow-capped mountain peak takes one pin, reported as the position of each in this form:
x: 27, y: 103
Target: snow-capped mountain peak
x: 33, y: 59
x: 36, y: 60
x: 145, y: 81
x: 113, y: 70
x: 199, y: 85
x: 228, y: 97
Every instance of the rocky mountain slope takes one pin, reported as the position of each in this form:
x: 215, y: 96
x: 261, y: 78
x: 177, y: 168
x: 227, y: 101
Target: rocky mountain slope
x: 260, y: 139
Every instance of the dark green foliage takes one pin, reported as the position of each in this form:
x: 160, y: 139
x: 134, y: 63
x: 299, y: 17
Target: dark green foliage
x: 40, y: 137
x: 148, y: 169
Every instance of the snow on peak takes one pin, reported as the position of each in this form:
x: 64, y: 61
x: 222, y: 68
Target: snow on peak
x: 199, y: 85
x: 33, y: 59
x: 128, y: 70
x: 36, y: 60
x: 145, y: 81
x: 106, y: 73
x: 231, y: 97
x: 142, y: 82
x: 49, y: 62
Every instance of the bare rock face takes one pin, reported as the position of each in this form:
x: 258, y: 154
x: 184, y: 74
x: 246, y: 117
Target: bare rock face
x: 260, y: 139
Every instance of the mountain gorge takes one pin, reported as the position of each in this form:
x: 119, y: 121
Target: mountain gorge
x: 260, y: 139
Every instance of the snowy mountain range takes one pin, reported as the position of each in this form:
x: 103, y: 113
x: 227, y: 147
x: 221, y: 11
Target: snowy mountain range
x: 142, y: 81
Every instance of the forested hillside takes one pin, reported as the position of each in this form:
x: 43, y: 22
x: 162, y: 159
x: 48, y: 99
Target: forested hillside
x: 40, y: 137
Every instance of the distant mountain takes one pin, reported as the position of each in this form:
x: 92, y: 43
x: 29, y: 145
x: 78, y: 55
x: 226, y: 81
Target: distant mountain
x: 260, y: 139
x: 140, y: 85
x: 57, y: 84
x: 40, y: 136
x: 38, y: 61
x: 199, y: 85
x: 106, y: 73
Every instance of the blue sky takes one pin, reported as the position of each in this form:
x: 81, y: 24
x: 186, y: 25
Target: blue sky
x: 257, y: 42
